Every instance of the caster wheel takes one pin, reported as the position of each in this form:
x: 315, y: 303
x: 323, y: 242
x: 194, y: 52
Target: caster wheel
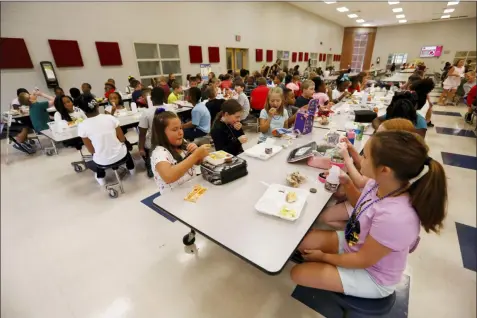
x: 49, y: 153
x: 188, y: 241
x: 78, y: 168
x: 113, y: 193
x: 31, y: 142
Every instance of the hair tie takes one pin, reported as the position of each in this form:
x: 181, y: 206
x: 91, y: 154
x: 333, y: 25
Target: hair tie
x: 345, y: 78
x: 160, y: 110
x: 427, y: 162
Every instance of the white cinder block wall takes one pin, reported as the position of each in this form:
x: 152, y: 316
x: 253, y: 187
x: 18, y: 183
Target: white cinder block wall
x: 276, y: 26
x: 456, y: 35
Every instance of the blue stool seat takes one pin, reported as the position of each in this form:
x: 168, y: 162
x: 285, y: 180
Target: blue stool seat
x: 364, y: 307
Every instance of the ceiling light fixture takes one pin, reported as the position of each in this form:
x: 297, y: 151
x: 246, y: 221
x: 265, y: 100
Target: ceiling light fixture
x: 447, y: 16
x: 329, y: 2
x: 395, y: 10
x: 360, y: 21
x: 342, y: 9
x: 402, y: 21
x: 352, y: 16
x: 393, y: 2
x: 452, y: 3
x: 366, y: 24
x: 400, y: 16
x: 449, y: 10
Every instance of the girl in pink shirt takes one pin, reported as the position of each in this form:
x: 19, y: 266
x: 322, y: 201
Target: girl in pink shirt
x: 368, y: 258
x: 323, y: 99
x: 294, y: 85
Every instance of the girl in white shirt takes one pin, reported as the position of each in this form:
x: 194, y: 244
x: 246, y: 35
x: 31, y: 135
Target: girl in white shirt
x: 65, y: 110
x: 452, y: 82
x: 173, y: 159
x: 341, y: 90
x: 104, y: 139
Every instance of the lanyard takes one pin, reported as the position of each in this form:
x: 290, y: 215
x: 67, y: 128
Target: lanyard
x: 369, y: 205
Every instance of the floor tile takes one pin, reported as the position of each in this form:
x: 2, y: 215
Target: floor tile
x: 468, y: 245
x: 456, y: 132
x: 442, y: 113
x: 461, y: 161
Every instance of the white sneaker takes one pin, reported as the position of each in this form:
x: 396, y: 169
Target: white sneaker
x: 101, y: 181
x: 132, y: 171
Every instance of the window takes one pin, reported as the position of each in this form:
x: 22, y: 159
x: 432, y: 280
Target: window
x: 359, y: 50
x: 154, y: 60
x: 466, y: 55
x: 285, y: 57
x: 398, y: 58
x: 314, y: 59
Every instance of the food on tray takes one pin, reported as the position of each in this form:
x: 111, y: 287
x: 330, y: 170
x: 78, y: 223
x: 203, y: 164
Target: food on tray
x: 196, y: 193
x: 291, y: 197
x: 295, y: 179
x: 287, y: 212
x: 219, y: 155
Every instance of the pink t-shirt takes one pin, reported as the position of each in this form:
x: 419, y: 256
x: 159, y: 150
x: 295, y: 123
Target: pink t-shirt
x: 293, y: 86
x: 321, y: 97
x: 394, y: 223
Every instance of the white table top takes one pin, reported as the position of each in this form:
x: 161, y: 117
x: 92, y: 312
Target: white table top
x: 397, y: 77
x: 408, y: 70
x: 51, y: 109
x: 226, y: 213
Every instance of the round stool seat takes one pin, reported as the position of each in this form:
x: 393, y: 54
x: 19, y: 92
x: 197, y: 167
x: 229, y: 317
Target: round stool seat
x: 371, y: 307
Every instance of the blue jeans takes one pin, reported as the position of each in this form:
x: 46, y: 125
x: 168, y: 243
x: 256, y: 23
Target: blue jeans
x: 192, y: 133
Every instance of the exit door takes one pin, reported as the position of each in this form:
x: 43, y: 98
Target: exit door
x: 237, y: 59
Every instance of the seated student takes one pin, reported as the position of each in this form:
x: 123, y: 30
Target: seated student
x: 273, y: 115
x: 250, y: 85
x: 471, y: 98
x: 307, y: 94
x: 59, y: 91
x: 109, y: 87
x: 75, y: 94
x: 213, y: 105
x: 242, y: 99
x: 193, y: 82
x: 277, y: 80
x: 294, y: 85
x: 162, y: 83
x: 198, y: 79
x: 290, y: 107
x: 130, y: 88
x: 258, y: 96
x: 403, y: 105
x: 172, y: 79
x: 145, y: 127
x: 19, y: 128
x: 137, y: 94
x: 115, y: 104
x: 38, y: 110
x: 172, y: 158
x: 227, y: 132
x: 215, y: 83
x: 199, y: 126
x: 226, y: 83
x: 323, y: 99
x: 341, y: 90
x: 65, y: 110
x: 103, y: 137
x: 176, y: 93
x: 355, y: 85
x: 368, y: 259
x: 86, y: 89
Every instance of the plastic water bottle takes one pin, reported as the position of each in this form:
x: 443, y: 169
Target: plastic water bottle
x: 333, y: 180
x: 149, y: 101
x: 133, y: 107
x: 364, y: 99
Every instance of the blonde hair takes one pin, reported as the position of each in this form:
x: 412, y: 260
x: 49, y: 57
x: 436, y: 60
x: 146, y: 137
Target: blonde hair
x: 312, y: 75
x: 399, y: 124
x: 275, y: 90
x: 307, y: 84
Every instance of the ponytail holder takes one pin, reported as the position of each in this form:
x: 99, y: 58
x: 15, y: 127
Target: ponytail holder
x: 345, y: 78
x: 427, y: 162
x: 159, y: 110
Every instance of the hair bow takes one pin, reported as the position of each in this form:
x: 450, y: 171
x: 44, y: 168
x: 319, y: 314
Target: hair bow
x: 159, y: 110
x: 345, y: 78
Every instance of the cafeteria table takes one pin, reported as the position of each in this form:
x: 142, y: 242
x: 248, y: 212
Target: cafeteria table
x: 225, y: 214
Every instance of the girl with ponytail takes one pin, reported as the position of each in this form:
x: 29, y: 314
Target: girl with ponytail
x: 406, y: 189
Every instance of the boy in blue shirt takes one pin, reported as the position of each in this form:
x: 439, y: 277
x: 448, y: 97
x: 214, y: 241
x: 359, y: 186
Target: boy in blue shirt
x: 199, y: 126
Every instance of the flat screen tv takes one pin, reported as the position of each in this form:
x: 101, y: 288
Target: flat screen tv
x: 431, y: 51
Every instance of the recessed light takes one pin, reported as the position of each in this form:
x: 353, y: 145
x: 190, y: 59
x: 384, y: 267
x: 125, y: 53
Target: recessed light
x: 329, y: 2
x: 360, y: 21
x: 400, y: 16
x: 366, y: 24
x: 393, y: 2
x: 352, y: 15
x: 397, y: 10
x: 447, y: 16
x: 402, y: 21
x: 449, y: 10
x: 342, y: 9
x: 452, y: 3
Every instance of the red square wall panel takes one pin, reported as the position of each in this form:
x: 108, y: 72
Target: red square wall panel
x: 14, y: 54
x: 258, y: 55
x: 66, y: 53
x: 109, y: 53
x: 300, y: 57
x: 269, y: 56
x: 306, y: 57
x: 214, y: 56
x: 294, y: 56
x: 195, y: 54
x: 321, y: 57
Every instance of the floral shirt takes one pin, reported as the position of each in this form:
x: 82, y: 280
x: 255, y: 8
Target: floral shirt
x: 162, y: 154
